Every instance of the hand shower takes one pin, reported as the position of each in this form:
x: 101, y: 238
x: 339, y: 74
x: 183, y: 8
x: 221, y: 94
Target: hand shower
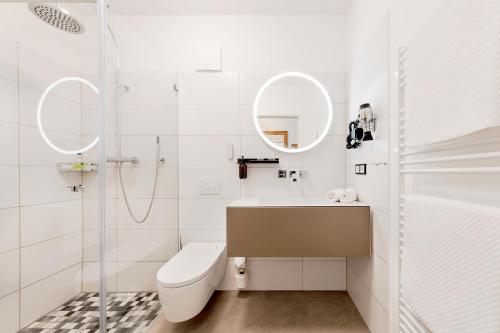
x: 159, y: 160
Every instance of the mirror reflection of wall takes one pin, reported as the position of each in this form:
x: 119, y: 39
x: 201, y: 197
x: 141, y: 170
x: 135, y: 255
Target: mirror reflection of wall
x: 292, y: 112
x: 281, y: 130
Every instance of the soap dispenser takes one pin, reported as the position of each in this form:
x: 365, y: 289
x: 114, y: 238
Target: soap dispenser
x: 243, y: 170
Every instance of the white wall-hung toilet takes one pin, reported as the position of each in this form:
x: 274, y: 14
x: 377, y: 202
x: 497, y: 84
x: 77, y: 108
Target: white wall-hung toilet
x: 187, y: 281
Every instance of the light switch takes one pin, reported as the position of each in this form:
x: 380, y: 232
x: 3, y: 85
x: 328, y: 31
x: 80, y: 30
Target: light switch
x: 209, y: 186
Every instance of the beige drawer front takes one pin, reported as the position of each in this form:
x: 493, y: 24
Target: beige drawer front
x: 298, y: 232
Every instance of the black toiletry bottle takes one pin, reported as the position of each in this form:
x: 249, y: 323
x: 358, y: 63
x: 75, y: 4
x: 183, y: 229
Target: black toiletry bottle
x: 243, y: 171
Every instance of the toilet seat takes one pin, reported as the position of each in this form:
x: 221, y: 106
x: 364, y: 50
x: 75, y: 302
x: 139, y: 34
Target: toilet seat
x: 190, y: 265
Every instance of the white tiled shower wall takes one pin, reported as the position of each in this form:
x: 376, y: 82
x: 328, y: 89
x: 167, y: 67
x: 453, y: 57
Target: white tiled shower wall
x: 135, y: 251
x: 215, y: 110
x: 41, y: 220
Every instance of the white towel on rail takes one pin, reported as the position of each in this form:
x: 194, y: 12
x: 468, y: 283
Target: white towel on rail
x: 450, y: 269
x: 453, y: 73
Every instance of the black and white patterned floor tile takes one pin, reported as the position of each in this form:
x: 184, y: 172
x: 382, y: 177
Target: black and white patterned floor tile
x: 127, y: 313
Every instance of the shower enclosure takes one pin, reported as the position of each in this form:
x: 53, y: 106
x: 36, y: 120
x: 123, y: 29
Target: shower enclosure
x: 89, y: 201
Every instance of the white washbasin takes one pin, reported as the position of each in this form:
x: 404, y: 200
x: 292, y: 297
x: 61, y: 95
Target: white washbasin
x: 289, y: 202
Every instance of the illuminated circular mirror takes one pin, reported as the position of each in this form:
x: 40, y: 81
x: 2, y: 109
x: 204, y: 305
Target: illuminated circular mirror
x: 40, y: 122
x: 292, y: 112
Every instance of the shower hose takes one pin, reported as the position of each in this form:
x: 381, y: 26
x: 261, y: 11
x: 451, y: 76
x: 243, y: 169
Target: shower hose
x: 127, y: 203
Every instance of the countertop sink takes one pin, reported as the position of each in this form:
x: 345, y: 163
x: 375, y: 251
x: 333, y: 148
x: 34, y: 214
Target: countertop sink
x: 291, y: 202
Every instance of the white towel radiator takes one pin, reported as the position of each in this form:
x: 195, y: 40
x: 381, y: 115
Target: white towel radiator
x: 434, y: 160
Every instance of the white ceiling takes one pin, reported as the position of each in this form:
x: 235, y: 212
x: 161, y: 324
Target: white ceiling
x: 230, y: 7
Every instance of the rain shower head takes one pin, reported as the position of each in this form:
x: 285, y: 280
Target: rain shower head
x: 56, y: 17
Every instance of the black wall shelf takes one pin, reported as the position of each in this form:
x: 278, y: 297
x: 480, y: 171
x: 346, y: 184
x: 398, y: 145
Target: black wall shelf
x: 258, y: 160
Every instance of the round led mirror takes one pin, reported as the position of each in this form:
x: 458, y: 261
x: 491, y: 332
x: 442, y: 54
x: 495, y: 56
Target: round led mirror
x: 40, y: 122
x: 292, y: 112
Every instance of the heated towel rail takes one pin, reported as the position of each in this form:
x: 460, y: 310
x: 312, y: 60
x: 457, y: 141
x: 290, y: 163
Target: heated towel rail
x: 434, y: 159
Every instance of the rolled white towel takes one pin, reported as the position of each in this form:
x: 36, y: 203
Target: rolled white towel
x: 349, y: 195
x: 335, y: 194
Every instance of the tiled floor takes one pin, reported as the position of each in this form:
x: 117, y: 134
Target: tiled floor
x: 127, y: 313
x: 272, y: 311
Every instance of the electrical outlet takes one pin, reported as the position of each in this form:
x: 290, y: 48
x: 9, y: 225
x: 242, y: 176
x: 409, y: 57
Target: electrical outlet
x: 360, y: 169
x: 209, y: 186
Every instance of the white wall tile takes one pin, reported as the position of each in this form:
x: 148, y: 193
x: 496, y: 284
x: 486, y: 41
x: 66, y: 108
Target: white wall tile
x: 324, y: 275
x: 368, y: 277
x: 144, y: 147
x: 91, y: 245
x: 146, y: 245
x: 208, y: 120
x: 9, y: 143
x: 9, y: 313
x: 153, y: 120
x: 264, y: 182
x: 191, y: 236
x: 39, y: 70
x: 149, y: 89
x: 91, y: 181
x: 380, y: 233
x: 44, y: 184
x: 339, y: 122
x: 203, y: 150
x: 91, y: 213
x: 138, y: 182
x: 335, y: 84
x: 90, y: 276
x: 9, y: 279
x: 9, y: 190
x: 8, y: 100
x: 9, y: 229
x: 42, y: 297
x: 164, y: 214
x: 42, y: 222
x: 247, y: 126
x: 192, y: 177
x: 374, y: 273
x: 90, y: 120
x: 331, y: 151
x: 59, y: 112
x: 373, y: 314
x: 319, y: 180
x: 35, y: 151
x: 137, y: 276
x: 373, y: 187
x: 250, y: 85
x: 40, y: 260
x: 208, y: 89
x: 274, y: 275
x: 203, y: 214
x: 8, y: 58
